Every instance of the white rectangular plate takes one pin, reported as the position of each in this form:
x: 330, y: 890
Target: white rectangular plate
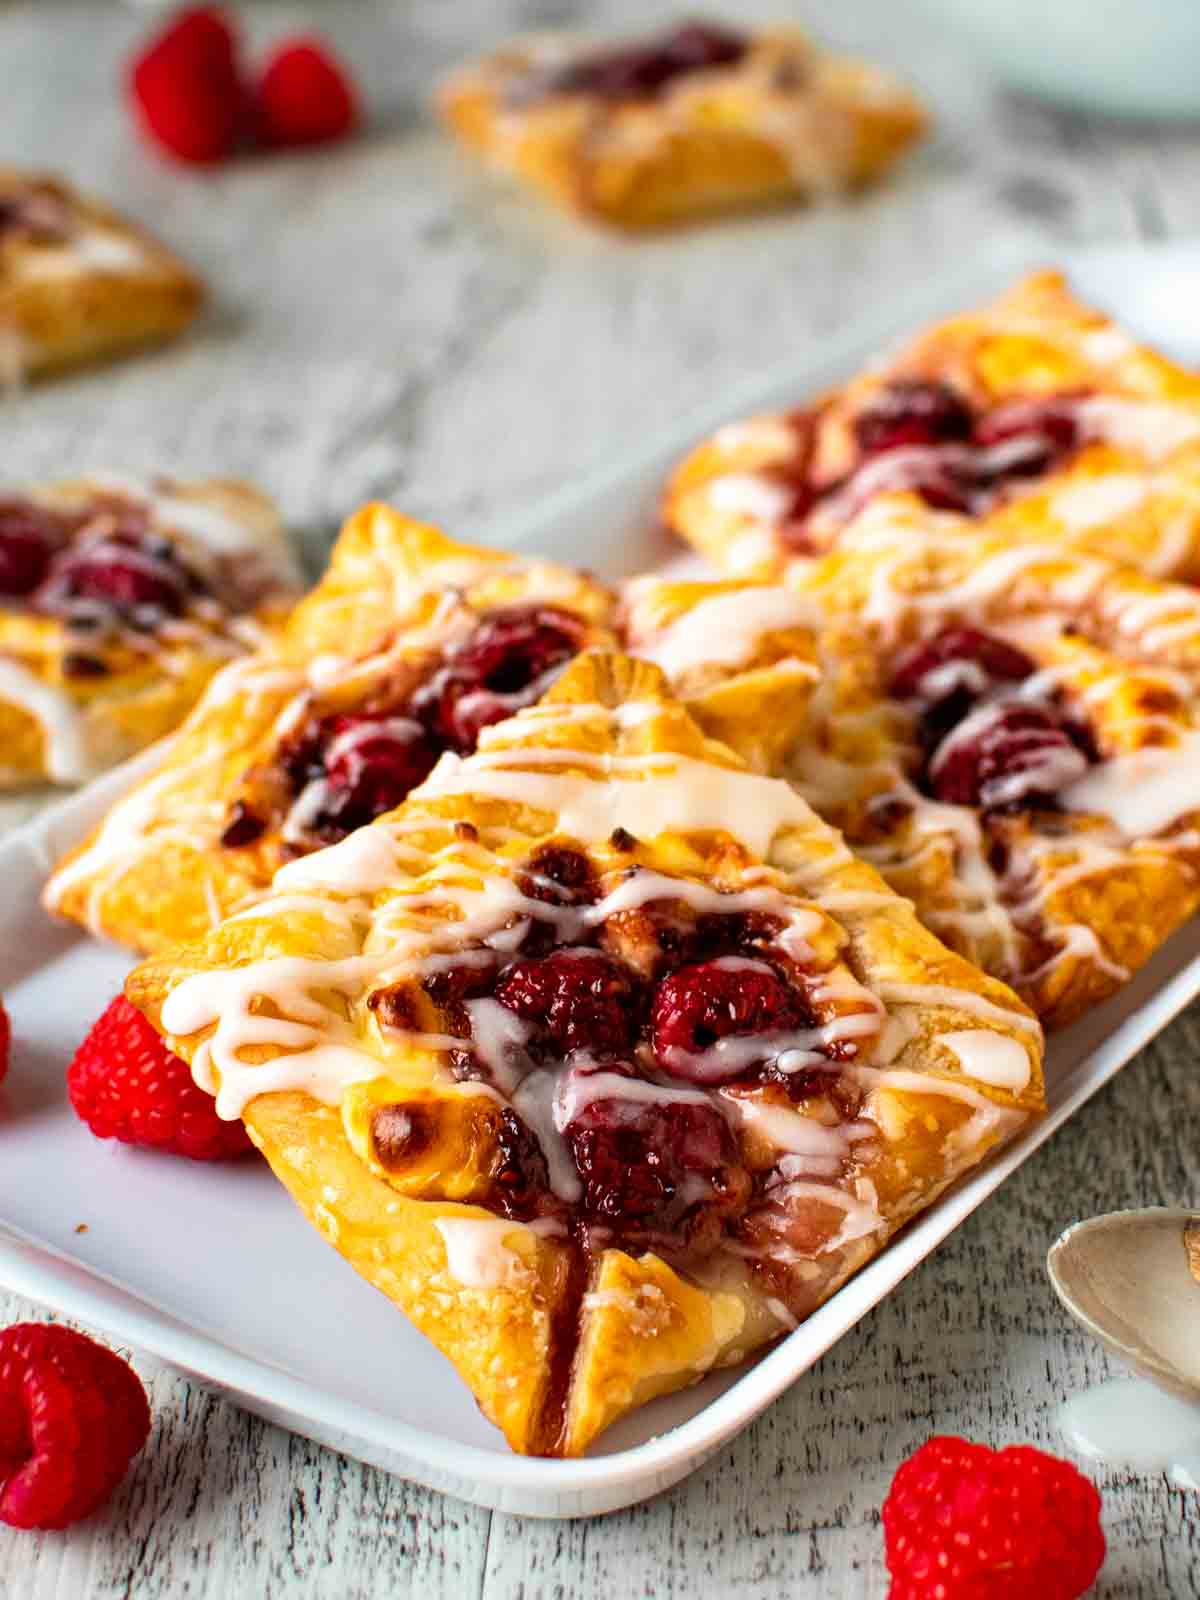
x: 211, y: 1268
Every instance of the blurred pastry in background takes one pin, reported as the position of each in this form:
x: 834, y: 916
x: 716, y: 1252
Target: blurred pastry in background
x: 119, y: 600
x: 700, y: 119
x: 78, y: 283
x: 1034, y: 416
x: 408, y: 647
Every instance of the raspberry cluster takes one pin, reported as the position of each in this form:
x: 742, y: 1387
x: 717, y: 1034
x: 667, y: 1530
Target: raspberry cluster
x: 194, y: 99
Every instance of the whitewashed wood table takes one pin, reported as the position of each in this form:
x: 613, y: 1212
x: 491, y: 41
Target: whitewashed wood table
x: 388, y: 323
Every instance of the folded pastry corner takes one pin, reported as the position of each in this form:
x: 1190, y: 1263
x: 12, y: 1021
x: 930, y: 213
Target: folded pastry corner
x: 408, y: 646
x: 1034, y: 416
x: 600, y: 1055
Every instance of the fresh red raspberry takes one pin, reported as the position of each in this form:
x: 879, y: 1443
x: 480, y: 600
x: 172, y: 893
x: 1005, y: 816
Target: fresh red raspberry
x: 72, y: 1417
x: 125, y: 1084
x: 5, y: 1042
x: 911, y: 411
x: 305, y: 95
x: 962, y: 1522
x: 186, y: 88
x: 698, y: 1005
x: 580, y: 998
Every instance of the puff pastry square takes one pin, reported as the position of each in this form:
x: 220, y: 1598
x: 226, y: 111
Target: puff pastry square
x: 78, y: 283
x: 699, y: 119
x: 601, y: 1056
x: 1010, y: 733
x: 1034, y: 417
x: 119, y: 600
x: 408, y: 646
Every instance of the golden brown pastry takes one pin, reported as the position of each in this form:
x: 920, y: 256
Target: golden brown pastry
x: 1010, y: 733
x: 119, y: 600
x: 601, y: 1056
x: 1034, y: 417
x: 408, y: 646
x: 78, y: 283
x: 697, y: 119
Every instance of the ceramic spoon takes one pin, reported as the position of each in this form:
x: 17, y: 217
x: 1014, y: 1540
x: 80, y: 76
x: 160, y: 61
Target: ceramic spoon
x: 1132, y: 1278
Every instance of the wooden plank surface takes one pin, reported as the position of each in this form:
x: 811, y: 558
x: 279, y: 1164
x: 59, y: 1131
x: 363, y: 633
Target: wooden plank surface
x: 387, y: 322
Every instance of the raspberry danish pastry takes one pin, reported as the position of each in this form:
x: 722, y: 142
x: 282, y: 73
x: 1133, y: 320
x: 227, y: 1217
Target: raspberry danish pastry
x: 1010, y: 733
x: 409, y: 646
x: 119, y: 600
x: 601, y: 1056
x: 1034, y: 417
x: 78, y: 283
x: 698, y: 119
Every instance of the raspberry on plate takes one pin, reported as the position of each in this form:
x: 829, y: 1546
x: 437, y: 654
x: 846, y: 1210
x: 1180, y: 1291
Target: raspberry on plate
x: 962, y: 1522
x: 305, y: 96
x: 125, y: 1084
x: 72, y: 1417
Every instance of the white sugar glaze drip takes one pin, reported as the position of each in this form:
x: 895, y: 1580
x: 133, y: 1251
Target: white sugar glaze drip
x: 1092, y: 502
x: 793, y: 1051
x: 726, y: 629
x: 929, y: 994
x: 476, y: 1253
x: 990, y: 1057
x: 749, y: 494
x: 693, y: 796
x: 1155, y: 429
x: 1142, y: 791
x: 64, y: 730
x: 1131, y: 1422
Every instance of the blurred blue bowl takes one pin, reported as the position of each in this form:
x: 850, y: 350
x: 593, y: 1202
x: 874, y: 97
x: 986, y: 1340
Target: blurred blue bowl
x: 1127, y: 58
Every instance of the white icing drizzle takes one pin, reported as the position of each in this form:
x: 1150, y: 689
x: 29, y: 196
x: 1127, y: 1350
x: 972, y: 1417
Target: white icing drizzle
x: 990, y: 1057
x: 1093, y: 502
x: 932, y: 994
x: 476, y: 1253
x: 726, y: 629
x: 690, y: 796
x: 1152, y: 428
x: 64, y: 729
x: 749, y: 494
x: 1142, y: 791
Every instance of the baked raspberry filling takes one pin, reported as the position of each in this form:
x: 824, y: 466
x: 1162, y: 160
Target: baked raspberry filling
x: 579, y: 998
x: 643, y: 1163
x: 509, y: 661
x: 922, y: 436
x: 730, y: 999
x: 625, y: 1073
x: 984, y: 745
x: 1006, y: 755
x: 38, y: 212
x: 29, y: 537
x: 639, y: 72
x: 338, y: 771
x: 127, y: 578
x: 912, y: 411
